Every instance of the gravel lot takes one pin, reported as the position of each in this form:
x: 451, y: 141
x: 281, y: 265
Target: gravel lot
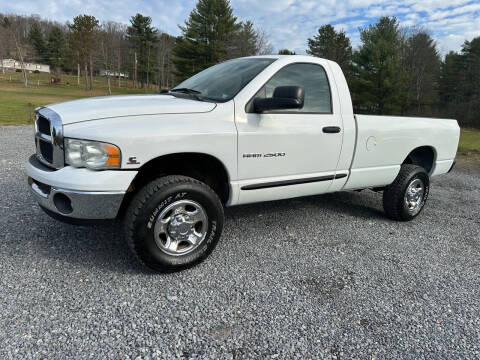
x: 319, y: 277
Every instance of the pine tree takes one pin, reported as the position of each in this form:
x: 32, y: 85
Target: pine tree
x: 83, y: 42
x: 460, y: 84
x: 143, y: 37
x: 422, y: 63
x: 36, y: 38
x: 380, y: 84
x: 471, y: 53
x: 332, y: 45
x: 55, y: 47
x: 205, y: 37
x: 286, y: 52
x: 244, y: 41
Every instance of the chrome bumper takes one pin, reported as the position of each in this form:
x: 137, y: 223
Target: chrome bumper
x: 76, y: 204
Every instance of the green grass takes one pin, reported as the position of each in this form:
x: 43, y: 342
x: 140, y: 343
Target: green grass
x: 469, y: 142
x: 17, y: 102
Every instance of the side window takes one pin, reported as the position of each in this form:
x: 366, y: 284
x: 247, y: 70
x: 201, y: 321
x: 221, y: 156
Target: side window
x: 314, y: 81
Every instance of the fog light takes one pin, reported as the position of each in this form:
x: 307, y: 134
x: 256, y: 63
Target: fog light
x: 62, y: 203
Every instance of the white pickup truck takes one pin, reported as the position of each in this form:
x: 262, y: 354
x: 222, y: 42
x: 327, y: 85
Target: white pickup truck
x: 246, y: 130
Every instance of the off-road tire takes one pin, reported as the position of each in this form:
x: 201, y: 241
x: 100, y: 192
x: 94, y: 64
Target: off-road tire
x: 147, y: 205
x: 394, y: 194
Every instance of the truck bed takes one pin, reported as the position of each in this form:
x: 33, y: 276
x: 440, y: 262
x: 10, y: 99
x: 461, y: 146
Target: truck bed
x: 384, y: 142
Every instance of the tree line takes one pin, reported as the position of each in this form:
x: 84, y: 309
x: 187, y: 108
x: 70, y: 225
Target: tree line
x: 394, y: 70
x: 149, y: 57
x: 399, y: 71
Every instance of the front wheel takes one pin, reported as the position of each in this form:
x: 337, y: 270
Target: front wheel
x: 405, y: 198
x: 173, y: 223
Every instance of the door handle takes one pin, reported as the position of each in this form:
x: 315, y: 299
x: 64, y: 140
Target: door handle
x: 331, y: 129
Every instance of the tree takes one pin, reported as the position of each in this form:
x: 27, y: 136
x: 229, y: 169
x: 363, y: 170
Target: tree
x: 114, y: 47
x: 380, y: 85
x: 164, y: 60
x: 452, y: 78
x: 471, y: 54
x: 143, y: 38
x: 422, y: 64
x: 83, y: 42
x: 286, y: 52
x: 55, y: 48
x: 36, y: 38
x: 7, y: 24
x: 244, y: 41
x: 459, y: 84
x: 332, y: 45
x: 204, y: 37
x: 263, y: 44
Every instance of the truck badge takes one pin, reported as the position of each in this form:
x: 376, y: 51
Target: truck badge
x: 132, y: 161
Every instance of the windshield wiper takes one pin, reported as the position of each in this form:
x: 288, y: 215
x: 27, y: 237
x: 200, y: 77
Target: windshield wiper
x: 188, y: 91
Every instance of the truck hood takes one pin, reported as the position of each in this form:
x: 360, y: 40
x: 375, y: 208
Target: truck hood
x: 126, y: 105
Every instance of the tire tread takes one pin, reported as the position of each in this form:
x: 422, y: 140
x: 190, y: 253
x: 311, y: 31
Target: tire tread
x: 142, y: 197
x: 394, y: 193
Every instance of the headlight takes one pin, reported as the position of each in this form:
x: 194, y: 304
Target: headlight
x: 91, y: 154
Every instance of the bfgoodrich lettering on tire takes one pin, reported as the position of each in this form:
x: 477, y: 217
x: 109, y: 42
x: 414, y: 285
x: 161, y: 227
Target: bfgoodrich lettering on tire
x: 405, y: 198
x: 173, y: 223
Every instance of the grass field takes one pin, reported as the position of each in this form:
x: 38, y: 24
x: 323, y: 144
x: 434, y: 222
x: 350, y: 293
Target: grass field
x: 469, y: 142
x: 468, y: 155
x: 17, y: 102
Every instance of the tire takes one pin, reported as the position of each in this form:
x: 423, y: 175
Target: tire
x: 399, y: 205
x: 173, y: 223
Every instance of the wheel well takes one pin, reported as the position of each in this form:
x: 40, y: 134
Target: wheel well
x: 423, y: 156
x: 203, y: 167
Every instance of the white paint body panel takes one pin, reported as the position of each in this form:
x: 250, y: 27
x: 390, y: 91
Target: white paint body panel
x: 107, y: 107
x: 147, y: 137
x: 384, y: 142
x: 150, y: 126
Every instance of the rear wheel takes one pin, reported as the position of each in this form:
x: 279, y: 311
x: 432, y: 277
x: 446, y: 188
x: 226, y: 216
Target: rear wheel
x: 173, y: 223
x: 405, y: 198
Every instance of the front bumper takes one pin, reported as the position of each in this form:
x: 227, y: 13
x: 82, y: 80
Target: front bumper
x: 74, y: 200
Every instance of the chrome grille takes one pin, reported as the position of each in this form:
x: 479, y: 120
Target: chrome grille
x: 49, y: 138
x: 43, y: 125
x: 46, y: 150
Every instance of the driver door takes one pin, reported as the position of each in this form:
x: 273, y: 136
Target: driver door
x: 288, y: 153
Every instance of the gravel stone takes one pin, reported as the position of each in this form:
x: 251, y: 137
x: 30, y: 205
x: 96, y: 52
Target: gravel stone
x: 318, y: 277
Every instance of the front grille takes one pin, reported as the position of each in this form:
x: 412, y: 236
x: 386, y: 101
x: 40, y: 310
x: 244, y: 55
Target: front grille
x: 49, y: 138
x: 43, y: 125
x: 46, y: 150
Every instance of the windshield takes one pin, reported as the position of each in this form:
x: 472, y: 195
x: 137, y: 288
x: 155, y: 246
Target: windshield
x: 223, y: 81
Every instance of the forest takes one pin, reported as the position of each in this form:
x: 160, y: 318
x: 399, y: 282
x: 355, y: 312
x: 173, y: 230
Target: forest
x: 394, y: 70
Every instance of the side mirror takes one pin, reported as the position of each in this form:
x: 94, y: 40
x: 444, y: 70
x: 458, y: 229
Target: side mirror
x: 284, y: 97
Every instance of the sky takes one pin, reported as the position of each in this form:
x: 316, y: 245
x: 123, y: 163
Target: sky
x: 288, y: 23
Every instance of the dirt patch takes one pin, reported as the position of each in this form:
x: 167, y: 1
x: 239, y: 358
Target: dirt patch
x: 470, y: 161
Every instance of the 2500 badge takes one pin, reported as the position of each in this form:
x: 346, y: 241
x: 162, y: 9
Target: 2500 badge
x: 267, y: 155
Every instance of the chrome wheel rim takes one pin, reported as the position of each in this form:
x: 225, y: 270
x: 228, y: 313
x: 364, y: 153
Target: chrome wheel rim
x: 414, y: 196
x: 181, y: 227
